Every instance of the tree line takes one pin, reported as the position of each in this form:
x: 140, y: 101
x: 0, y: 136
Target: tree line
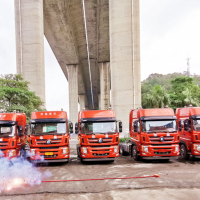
x: 174, y: 90
x: 15, y: 95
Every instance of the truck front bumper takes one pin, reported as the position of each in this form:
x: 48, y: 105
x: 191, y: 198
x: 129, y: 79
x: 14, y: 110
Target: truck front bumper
x: 50, y: 161
x: 99, y: 153
x: 54, y: 154
x: 164, y: 151
x: 159, y: 157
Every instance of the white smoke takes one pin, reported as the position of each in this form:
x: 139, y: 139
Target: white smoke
x: 19, y: 172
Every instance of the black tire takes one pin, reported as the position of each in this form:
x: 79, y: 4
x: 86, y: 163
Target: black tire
x: 184, y: 152
x: 22, y: 153
x: 78, y: 152
x: 121, y: 150
x: 134, y: 152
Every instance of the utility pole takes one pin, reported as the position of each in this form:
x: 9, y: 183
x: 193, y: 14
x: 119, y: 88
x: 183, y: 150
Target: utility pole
x: 188, y: 66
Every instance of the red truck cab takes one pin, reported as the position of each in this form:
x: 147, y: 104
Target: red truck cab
x: 153, y: 133
x: 189, y: 130
x: 12, y: 135
x: 49, y: 136
x: 98, y: 135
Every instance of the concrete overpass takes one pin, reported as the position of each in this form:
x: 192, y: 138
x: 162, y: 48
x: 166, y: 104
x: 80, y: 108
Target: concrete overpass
x: 96, y: 43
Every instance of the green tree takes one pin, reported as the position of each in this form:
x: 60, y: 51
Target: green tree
x: 184, y: 92
x: 15, y: 95
x: 156, y: 98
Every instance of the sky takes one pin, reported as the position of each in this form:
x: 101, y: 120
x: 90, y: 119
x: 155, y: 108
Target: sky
x: 170, y: 33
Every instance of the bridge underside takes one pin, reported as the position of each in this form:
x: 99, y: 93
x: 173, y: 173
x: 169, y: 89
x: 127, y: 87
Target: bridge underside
x: 64, y: 29
x: 112, y: 29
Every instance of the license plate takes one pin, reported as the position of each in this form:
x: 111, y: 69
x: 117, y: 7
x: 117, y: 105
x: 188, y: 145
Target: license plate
x: 48, y: 153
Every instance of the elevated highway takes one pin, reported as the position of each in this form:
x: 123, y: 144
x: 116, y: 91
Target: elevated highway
x: 96, y: 43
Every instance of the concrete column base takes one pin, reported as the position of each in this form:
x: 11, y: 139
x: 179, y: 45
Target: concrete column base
x: 81, y: 101
x: 73, y: 92
x: 29, y: 30
x: 104, y: 69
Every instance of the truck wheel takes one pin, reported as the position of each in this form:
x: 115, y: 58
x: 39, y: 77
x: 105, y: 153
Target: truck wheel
x: 22, y: 154
x: 135, y: 153
x: 183, y: 152
x: 121, y: 150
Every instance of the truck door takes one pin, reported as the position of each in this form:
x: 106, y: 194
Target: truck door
x: 187, y: 132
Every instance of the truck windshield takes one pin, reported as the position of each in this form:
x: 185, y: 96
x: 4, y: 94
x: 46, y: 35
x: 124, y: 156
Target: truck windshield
x: 98, y: 127
x: 159, y: 126
x: 48, y: 128
x: 7, y: 131
x: 196, y: 124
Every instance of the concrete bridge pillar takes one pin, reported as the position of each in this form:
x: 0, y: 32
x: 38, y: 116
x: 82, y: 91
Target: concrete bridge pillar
x: 73, y: 92
x: 29, y: 29
x: 81, y: 101
x: 124, y: 57
x: 104, y: 69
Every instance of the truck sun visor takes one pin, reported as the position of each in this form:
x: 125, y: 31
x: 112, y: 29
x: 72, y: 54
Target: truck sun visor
x: 56, y: 120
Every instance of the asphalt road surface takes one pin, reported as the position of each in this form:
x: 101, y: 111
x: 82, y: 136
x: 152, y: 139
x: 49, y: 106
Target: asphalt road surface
x: 178, y: 180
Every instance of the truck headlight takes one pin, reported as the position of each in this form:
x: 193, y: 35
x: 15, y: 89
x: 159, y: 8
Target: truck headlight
x: 115, y: 149
x: 197, y: 147
x: 12, y: 153
x: 33, y: 152
x: 145, y: 148
x: 84, y: 150
x: 176, y: 148
x: 65, y: 150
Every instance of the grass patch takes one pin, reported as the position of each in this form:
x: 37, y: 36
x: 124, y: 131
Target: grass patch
x: 123, y: 139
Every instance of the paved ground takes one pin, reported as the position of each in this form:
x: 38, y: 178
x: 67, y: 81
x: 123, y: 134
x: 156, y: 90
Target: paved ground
x: 178, y: 180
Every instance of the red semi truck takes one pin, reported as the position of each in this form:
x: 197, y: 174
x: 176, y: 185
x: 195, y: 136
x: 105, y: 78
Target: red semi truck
x: 189, y: 130
x: 154, y: 134
x: 98, y: 135
x: 49, y: 136
x: 12, y: 135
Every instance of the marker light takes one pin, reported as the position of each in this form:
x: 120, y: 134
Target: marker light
x: 197, y: 147
x: 65, y: 150
x: 33, y: 152
x: 84, y: 150
x: 176, y: 148
x: 145, y: 148
x: 12, y: 153
x: 116, y: 149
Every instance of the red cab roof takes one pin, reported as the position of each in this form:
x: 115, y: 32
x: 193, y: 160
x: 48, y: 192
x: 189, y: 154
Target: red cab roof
x: 186, y: 112
x: 19, y: 117
x: 96, y: 114
x: 136, y: 113
x: 49, y: 115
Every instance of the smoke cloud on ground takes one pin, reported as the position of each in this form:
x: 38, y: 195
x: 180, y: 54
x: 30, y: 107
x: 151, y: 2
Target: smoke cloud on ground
x: 18, y: 172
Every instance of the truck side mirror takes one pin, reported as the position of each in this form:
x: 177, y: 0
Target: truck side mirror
x: 186, y: 125
x: 138, y: 127
x: 180, y: 125
x: 26, y: 129
x: 20, y: 131
x: 76, y: 128
x: 120, y: 127
x: 70, y: 127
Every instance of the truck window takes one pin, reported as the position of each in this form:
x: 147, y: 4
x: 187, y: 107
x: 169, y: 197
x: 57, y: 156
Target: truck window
x: 159, y: 126
x: 7, y: 131
x: 196, y: 124
x: 48, y: 128
x: 98, y: 127
x: 187, y: 125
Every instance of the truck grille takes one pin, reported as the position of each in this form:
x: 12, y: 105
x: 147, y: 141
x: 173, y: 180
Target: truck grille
x: 44, y: 141
x: 53, y: 156
x: 157, y: 139
x: 162, y: 153
x: 100, y: 154
x: 3, y: 144
x: 96, y: 140
x: 48, y: 147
